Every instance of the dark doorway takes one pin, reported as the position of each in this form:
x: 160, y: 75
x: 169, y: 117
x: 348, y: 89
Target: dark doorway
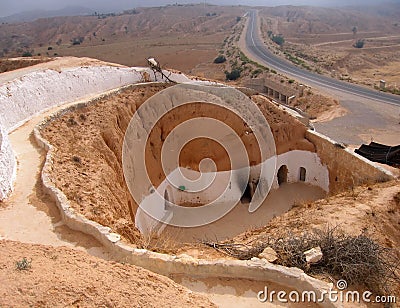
x: 303, y: 173
x: 282, y: 174
x: 246, y: 197
x: 166, y: 200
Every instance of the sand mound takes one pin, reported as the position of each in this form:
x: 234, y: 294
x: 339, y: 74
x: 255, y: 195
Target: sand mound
x: 65, y: 277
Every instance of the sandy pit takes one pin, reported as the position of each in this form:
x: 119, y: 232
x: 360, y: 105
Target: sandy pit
x: 87, y: 161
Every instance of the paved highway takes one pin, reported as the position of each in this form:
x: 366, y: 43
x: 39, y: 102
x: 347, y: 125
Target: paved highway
x: 256, y: 46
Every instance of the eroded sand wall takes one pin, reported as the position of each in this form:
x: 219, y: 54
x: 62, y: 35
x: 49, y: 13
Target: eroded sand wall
x: 346, y: 168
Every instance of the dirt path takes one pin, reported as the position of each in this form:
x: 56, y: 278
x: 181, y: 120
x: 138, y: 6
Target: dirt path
x: 29, y: 216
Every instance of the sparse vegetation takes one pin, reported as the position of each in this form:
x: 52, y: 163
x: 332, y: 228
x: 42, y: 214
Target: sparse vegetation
x: 233, y: 75
x: 357, y: 259
x: 77, y: 40
x: 76, y: 159
x: 23, y: 265
x: 220, y: 59
x: 278, y: 39
x: 359, y: 43
x: 256, y: 72
x: 27, y: 54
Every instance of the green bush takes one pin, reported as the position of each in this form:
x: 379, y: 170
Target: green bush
x: 359, y: 44
x: 23, y: 265
x: 27, y: 54
x: 220, y: 59
x: 232, y: 75
x: 278, y: 39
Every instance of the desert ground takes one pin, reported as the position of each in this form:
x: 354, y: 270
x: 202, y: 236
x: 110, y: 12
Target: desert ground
x: 180, y: 37
x: 75, y: 266
x: 322, y: 40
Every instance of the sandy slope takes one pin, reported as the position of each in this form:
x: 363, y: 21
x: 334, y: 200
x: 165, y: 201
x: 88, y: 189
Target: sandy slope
x: 62, y: 277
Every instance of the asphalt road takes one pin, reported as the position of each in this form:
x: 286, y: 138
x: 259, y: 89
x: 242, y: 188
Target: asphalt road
x: 256, y: 46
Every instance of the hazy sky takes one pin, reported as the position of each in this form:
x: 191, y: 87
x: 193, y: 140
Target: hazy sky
x: 8, y: 7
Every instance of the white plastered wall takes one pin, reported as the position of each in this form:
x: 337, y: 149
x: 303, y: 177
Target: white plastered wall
x: 8, y: 166
x: 317, y: 174
x: 29, y: 95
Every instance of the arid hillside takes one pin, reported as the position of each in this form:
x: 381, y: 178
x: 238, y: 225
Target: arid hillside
x: 180, y: 36
x: 355, y: 44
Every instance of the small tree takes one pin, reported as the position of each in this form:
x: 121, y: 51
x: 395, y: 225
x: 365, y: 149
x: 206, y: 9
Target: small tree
x: 232, y: 75
x: 27, y: 54
x: 278, y: 39
x: 220, y: 59
x: 77, y: 40
x: 354, y: 30
x: 359, y: 44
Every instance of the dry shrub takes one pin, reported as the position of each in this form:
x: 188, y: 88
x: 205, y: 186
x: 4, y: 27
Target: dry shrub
x: 238, y: 251
x: 357, y: 259
x: 165, y: 242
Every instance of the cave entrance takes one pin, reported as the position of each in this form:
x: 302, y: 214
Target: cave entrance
x: 247, y: 195
x: 303, y: 173
x: 282, y: 175
x: 167, y: 198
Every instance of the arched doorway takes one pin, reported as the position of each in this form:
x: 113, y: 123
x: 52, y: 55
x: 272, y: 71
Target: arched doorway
x: 249, y: 191
x: 282, y: 174
x: 168, y: 198
x: 302, y: 174
x: 246, y: 197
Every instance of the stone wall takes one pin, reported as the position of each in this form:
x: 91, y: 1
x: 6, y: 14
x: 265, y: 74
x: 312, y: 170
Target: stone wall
x: 346, y: 168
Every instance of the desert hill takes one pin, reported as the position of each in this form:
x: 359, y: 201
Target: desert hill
x: 305, y: 20
x: 158, y: 22
x: 36, y: 14
x: 325, y: 40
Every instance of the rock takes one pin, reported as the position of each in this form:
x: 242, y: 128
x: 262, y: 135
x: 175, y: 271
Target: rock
x: 269, y: 254
x: 314, y: 255
x: 114, y: 237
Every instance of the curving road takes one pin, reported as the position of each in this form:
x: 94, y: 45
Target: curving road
x: 256, y: 46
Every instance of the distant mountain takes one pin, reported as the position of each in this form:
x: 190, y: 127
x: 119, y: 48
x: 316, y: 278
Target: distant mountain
x: 36, y: 14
